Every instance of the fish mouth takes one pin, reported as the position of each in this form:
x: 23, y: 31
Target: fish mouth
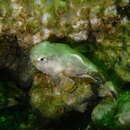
x: 34, y: 61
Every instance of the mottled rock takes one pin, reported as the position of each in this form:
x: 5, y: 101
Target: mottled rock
x: 9, y: 94
x: 8, y: 51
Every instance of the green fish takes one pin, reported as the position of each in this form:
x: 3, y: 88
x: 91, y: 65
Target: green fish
x: 57, y: 59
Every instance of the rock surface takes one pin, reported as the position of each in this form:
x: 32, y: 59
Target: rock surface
x: 99, y: 30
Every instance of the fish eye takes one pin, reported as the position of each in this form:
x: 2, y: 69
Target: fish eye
x: 42, y: 59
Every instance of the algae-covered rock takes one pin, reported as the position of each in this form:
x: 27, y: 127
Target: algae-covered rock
x: 113, y: 51
x: 8, y: 51
x: 54, y: 100
x: 123, y: 114
x: 9, y: 94
x: 113, y: 114
x: 68, y: 81
x: 103, y: 114
x: 35, y: 20
x: 19, y: 118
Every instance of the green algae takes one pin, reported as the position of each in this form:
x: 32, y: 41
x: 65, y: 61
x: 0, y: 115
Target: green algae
x: 8, y: 94
x: 100, y: 29
x: 113, y: 114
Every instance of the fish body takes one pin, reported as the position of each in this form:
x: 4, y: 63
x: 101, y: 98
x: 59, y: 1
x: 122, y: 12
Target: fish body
x: 57, y: 58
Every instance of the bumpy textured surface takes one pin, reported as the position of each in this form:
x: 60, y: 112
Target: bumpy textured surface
x: 30, y: 99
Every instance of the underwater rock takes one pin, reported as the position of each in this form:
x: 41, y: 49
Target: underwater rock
x: 113, y: 114
x: 100, y: 28
x: 24, y: 70
x: 8, y: 51
x: 113, y: 50
x: 32, y: 22
x: 9, y: 94
x: 54, y: 100
x: 15, y: 60
x: 103, y: 114
x: 108, y: 90
x: 19, y: 118
x: 123, y: 113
